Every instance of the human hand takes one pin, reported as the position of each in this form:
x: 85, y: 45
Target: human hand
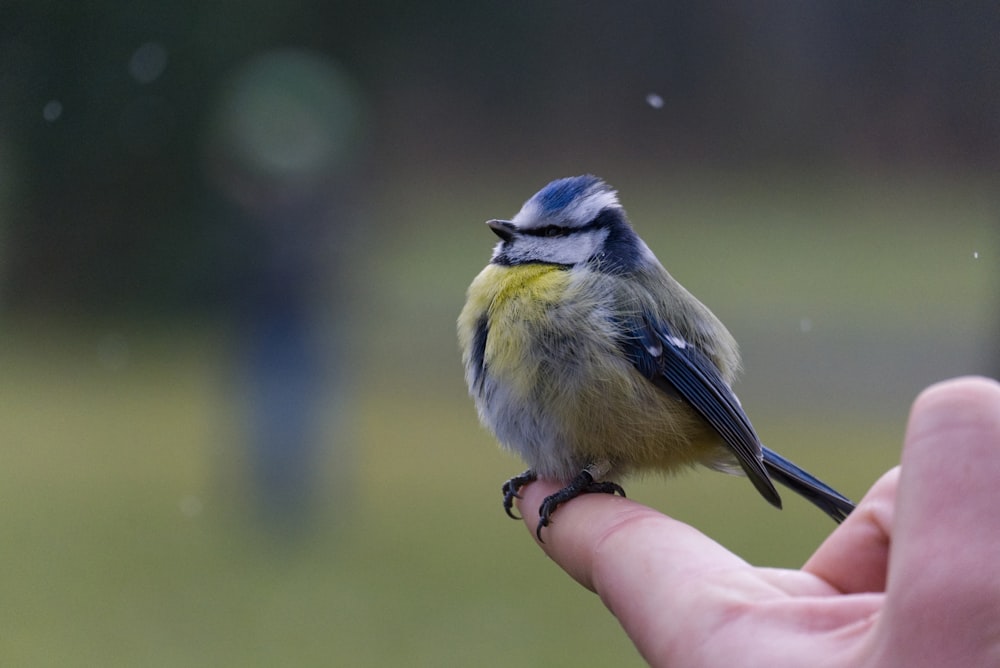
x: 911, y: 578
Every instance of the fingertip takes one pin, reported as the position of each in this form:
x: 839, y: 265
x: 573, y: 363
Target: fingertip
x: 957, y: 396
x: 953, y: 423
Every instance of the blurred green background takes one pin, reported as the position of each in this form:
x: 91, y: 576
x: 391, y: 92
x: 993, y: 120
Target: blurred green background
x: 234, y: 240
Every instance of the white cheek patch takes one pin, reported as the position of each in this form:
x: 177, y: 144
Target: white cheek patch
x: 569, y: 250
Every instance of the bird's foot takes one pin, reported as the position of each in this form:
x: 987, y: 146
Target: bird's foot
x: 583, y: 483
x: 512, y: 487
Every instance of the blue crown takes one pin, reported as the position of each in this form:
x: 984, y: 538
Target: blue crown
x: 562, y: 192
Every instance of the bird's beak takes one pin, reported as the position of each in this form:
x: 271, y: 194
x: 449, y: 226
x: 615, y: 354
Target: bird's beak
x: 502, y: 228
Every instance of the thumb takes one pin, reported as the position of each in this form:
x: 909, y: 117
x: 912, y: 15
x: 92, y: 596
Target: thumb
x: 945, y: 556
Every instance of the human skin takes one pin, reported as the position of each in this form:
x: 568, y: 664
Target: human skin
x: 911, y: 578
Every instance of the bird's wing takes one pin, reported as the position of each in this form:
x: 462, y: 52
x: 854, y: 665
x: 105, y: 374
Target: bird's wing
x: 679, y: 367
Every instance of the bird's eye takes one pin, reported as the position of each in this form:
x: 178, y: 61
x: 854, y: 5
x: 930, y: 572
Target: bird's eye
x: 552, y: 231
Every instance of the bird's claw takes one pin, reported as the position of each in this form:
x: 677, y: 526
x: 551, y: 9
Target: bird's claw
x: 583, y: 483
x: 511, y: 488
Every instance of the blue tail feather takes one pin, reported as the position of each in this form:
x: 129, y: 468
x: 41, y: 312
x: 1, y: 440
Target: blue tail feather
x: 817, y: 492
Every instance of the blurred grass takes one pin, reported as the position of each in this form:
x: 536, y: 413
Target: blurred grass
x: 127, y: 535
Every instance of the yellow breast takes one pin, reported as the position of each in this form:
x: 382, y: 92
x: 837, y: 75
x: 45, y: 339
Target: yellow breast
x: 499, y: 287
x: 514, y: 300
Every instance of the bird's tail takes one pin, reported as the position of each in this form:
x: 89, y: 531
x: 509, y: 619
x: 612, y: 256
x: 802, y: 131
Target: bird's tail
x: 817, y: 492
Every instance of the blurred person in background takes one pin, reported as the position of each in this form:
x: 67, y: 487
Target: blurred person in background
x: 283, y: 148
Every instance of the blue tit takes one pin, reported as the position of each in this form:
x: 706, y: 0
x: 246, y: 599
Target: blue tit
x: 587, y: 359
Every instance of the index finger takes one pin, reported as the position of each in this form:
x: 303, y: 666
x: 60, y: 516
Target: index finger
x: 626, y: 552
x: 681, y: 597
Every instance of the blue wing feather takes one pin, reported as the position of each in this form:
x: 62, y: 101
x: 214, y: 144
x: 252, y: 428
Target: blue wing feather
x: 680, y: 368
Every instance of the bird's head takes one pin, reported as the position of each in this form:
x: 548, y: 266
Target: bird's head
x: 568, y: 222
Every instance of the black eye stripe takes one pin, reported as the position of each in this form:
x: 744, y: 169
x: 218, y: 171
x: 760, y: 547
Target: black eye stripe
x: 548, y: 231
x: 562, y: 231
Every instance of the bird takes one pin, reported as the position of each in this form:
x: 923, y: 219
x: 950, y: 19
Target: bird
x: 586, y: 358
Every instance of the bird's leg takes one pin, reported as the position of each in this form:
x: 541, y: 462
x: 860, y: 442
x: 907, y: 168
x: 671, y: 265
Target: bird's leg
x: 583, y: 483
x: 512, y: 487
